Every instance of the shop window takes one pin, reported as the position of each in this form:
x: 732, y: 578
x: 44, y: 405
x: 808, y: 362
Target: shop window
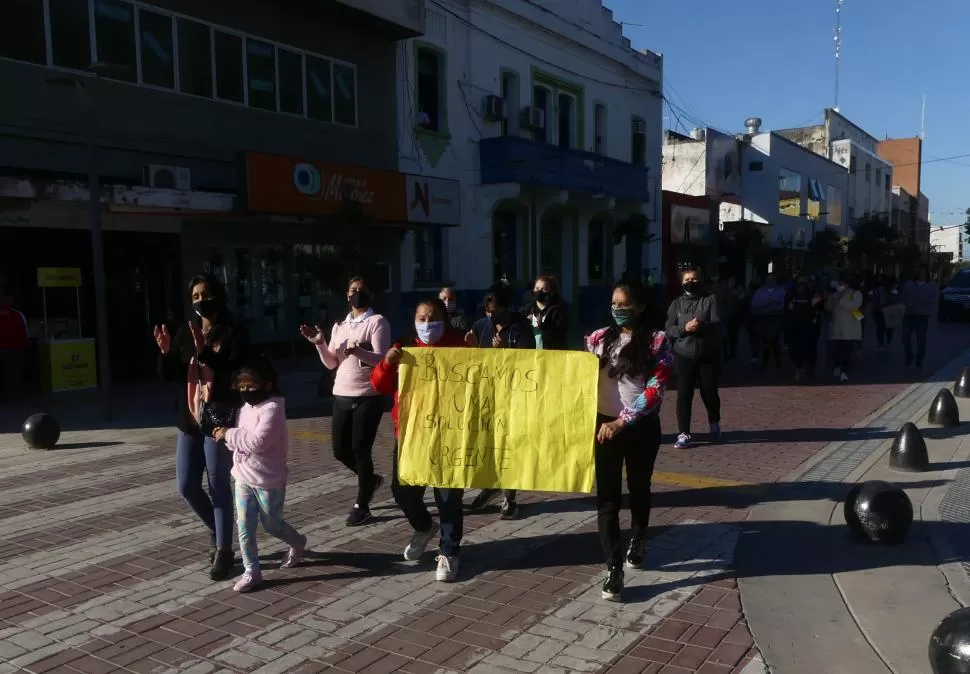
x: 431, y: 106
x: 344, y: 94
x: 510, y: 93
x: 599, y: 124
x: 261, y: 74
x: 195, y: 58
x: 566, y: 122
x: 319, y: 101
x: 789, y: 193
x: 541, y: 100
x: 291, y: 81
x: 596, y: 250
x: 833, y: 206
x: 70, y: 34
x: 638, y: 141
x: 229, y: 67
x: 157, y: 49
x: 114, y: 35
x: 22, y: 32
x: 427, y: 255
x: 505, y: 263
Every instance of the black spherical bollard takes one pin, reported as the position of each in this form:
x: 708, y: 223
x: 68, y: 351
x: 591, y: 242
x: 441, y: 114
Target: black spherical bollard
x: 41, y: 431
x: 881, y: 513
x: 848, y: 509
x: 961, y: 387
x: 949, y: 648
x: 944, y: 411
x: 908, y: 452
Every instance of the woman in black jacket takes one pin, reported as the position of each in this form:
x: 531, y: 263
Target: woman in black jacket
x: 550, y: 322
x: 205, y: 354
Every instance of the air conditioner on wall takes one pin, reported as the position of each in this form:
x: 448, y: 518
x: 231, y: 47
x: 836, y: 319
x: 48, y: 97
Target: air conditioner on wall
x: 168, y: 177
x: 494, y: 108
x: 533, y: 118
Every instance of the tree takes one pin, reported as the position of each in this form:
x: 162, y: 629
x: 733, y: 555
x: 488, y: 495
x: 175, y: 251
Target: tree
x: 825, y: 249
x: 874, y: 243
x: 966, y: 224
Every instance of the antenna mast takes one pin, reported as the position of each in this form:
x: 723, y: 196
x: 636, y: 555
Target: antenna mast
x: 838, y: 49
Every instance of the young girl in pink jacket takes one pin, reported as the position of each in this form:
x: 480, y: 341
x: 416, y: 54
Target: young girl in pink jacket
x: 259, y: 445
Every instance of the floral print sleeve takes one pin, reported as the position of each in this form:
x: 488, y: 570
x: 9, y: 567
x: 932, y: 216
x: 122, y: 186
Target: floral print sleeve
x: 652, y: 396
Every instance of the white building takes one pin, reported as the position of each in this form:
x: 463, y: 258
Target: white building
x: 551, y: 123
x: 948, y: 240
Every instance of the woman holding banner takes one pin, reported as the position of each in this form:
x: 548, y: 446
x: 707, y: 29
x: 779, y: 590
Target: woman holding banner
x: 635, y: 361
x: 431, y: 328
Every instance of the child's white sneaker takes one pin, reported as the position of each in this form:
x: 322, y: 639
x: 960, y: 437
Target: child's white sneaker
x: 419, y: 543
x: 294, y: 555
x: 249, y: 581
x: 447, y: 569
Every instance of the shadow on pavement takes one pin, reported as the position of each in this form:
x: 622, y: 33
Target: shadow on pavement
x: 821, y: 435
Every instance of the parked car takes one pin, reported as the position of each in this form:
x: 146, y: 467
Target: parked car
x: 955, y: 297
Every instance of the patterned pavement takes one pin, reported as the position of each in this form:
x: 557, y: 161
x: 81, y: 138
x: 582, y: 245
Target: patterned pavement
x: 102, y: 566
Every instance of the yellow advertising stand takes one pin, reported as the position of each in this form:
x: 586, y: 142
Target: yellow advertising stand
x: 67, y: 364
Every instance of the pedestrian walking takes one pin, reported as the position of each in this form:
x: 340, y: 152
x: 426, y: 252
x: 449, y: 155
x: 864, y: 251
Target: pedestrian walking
x: 805, y: 309
x: 259, y: 444
x: 635, y: 361
x: 767, y: 318
x: 694, y: 329
x: 205, y: 354
x: 845, y: 323
x: 356, y: 345
x: 431, y: 328
x: 919, y: 298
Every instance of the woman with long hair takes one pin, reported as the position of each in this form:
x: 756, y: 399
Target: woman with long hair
x: 205, y: 354
x: 550, y: 321
x: 635, y: 359
x: 357, y: 344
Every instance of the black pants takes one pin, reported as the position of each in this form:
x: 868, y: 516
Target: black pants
x: 803, y: 348
x: 636, y: 445
x: 915, y: 326
x: 693, y: 373
x: 354, y: 429
x: 840, y: 352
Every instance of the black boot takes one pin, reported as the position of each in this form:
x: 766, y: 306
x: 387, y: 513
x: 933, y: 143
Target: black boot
x: 223, y: 564
x: 634, y: 555
x: 613, y: 586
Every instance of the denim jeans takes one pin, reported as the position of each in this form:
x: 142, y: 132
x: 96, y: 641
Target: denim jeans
x: 195, y: 454
x: 451, y: 515
x: 918, y: 326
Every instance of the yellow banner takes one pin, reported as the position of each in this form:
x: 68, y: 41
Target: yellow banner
x: 58, y: 277
x: 73, y: 365
x: 498, y: 418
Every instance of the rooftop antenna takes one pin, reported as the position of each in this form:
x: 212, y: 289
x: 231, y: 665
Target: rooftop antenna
x: 922, y: 120
x: 838, y: 49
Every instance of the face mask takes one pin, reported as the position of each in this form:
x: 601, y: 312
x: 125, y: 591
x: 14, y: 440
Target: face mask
x: 690, y: 287
x: 359, y: 300
x: 540, y: 296
x: 623, y: 317
x: 840, y: 287
x: 254, y: 397
x: 430, y: 333
x: 451, y: 305
x: 205, y: 308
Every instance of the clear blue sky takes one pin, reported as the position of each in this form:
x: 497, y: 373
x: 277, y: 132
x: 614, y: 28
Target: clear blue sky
x: 725, y: 60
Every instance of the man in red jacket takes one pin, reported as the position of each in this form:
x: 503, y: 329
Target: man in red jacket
x: 14, y: 341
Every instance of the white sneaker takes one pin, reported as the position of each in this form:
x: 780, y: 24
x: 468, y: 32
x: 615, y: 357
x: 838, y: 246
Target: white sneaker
x: 837, y: 372
x: 419, y: 542
x: 844, y: 377
x: 447, y: 569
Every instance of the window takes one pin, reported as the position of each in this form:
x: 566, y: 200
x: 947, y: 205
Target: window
x: 427, y: 255
x: 815, y: 199
x: 878, y: 176
x: 345, y: 94
x: 868, y: 172
x: 157, y: 50
x: 430, y: 80
x: 319, y: 101
x: 229, y: 67
x: 114, y: 33
x: 756, y: 166
x: 291, y: 81
x: 195, y: 58
x: 566, y: 105
x: 789, y: 193
x: 540, y: 100
x: 261, y: 74
x: 504, y: 239
x: 638, y: 144
x: 852, y: 165
x: 510, y: 92
x: 599, y: 128
x: 889, y: 182
x: 596, y: 250
x: 833, y: 206
x: 22, y: 32
x: 70, y: 34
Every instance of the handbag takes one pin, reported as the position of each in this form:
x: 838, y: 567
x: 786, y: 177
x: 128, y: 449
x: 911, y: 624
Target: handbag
x: 216, y: 415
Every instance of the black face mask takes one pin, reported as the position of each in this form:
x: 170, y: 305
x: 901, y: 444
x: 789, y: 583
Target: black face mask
x: 359, y: 300
x: 254, y: 397
x: 541, y: 296
x: 691, y: 286
x: 206, y: 308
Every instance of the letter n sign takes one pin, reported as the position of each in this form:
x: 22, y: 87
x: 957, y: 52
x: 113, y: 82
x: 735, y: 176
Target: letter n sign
x: 421, y: 198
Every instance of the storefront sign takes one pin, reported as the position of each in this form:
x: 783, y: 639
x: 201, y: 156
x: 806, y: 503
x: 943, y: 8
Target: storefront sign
x: 58, y: 277
x: 283, y: 185
x: 72, y: 365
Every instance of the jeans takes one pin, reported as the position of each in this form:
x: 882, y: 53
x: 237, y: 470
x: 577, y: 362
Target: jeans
x: 354, y: 428
x: 410, y: 498
x: 695, y: 373
x: 254, y: 505
x: 636, y: 445
x: 918, y: 325
x: 194, y: 454
x: 884, y: 335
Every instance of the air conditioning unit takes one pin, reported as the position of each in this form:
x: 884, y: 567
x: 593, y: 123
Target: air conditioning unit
x: 533, y: 119
x: 168, y: 177
x: 494, y: 108
x: 639, y: 126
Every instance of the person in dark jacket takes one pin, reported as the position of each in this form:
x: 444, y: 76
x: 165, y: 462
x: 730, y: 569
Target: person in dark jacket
x: 693, y: 325
x: 805, y: 308
x: 550, y: 322
x: 456, y: 317
x: 205, y: 355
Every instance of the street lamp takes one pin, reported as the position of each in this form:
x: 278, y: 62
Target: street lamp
x: 87, y: 88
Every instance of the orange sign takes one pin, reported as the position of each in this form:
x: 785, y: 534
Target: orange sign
x: 279, y: 184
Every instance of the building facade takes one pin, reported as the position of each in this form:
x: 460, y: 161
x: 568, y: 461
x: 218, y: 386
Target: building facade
x: 551, y: 123
x: 949, y: 240
x: 255, y: 142
x: 910, y: 206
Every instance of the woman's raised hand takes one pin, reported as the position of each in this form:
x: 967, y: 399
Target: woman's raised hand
x: 163, y: 339
x: 312, y: 333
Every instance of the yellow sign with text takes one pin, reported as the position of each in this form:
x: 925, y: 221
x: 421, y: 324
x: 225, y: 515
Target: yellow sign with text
x: 497, y: 418
x: 58, y: 277
x: 72, y: 365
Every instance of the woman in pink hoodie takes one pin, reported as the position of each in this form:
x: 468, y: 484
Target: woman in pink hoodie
x: 259, y: 445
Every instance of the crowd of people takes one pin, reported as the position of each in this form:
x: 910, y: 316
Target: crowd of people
x: 231, y: 416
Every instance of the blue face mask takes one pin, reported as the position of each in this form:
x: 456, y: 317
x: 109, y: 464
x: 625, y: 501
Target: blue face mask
x: 623, y: 317
x: 430, y: 333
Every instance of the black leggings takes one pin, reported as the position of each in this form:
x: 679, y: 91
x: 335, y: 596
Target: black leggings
x: 697, y: 374
x: 354, y: 428
x: 636, y: 445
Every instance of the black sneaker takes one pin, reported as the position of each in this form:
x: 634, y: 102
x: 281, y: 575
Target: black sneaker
x: 378, y: 481
x: 613, y: 586
x: 212, y: 548
x: 222, y: 565
x: 509, y: 511
x: 634, y: 555
x: 484, y: 499
x: 358, y: 515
